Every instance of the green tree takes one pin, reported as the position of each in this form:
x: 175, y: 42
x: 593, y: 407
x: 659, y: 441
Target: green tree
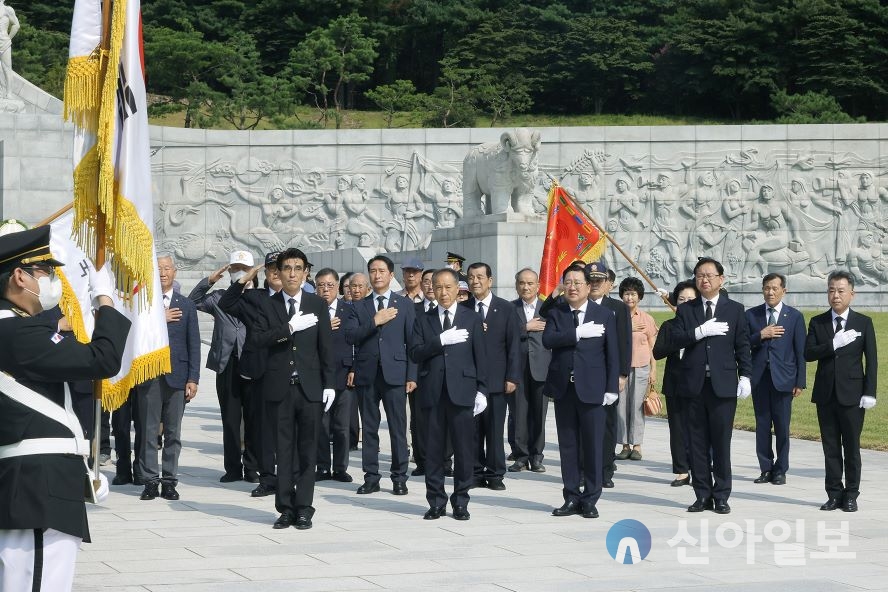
x: 452, y: 102
x: 393, y: 98
x: 810, y: 107
x: 41, y: 56
x: 332, y: 58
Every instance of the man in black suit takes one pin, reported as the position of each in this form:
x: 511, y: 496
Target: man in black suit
x: 334, y: 428
x: 417, y: 418
x: 452, y: 362
x: 583, y: 379
x: 530, y: 404
x: 502, y: 338
x: 844, y: 388
x: 713, y: 332
x: 381, y: 328
x: 777, y: 338
x: 294, y: 327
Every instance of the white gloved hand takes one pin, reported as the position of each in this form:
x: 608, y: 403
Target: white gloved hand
x: 301, y: 322
x: 101, y: 282
x: 610, y: 398
x: 328, y: 398
x: 453, y: 336
x: 843, y: 338
x: 744, y: 388
x: 480, y: 404
x: 102, y: 491
x: 867, y: 402
x: 711, y: 328
x: 663, y: 292
x: 589, y: 330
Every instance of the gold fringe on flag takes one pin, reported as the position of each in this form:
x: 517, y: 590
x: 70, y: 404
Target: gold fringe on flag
x: 71, y: 308
x: 143, y: 368
x: 130, y: 240
x: 82, y: 90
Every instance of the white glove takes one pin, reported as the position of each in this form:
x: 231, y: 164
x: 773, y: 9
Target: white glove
x: 301, y: 322
x: 453, y: 336
x: 329, y: 397
x: 102, y: 491
x: 480, y: 404
x: 101, y: 282
x: 711, y: 328
x: 843, y: 338
x: 744, y: 388
x: 610, y: 398
x: 867, y: 402
x: 589, y: 330
x: 663, y: 292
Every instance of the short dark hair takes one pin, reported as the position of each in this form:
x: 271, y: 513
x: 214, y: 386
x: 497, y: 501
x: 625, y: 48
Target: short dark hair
x: 426, y: 272
x: 576, y: 267
x: 774, y: 276
x: 681, y: 287
x: 388, y: 263
x: 841, y: 274
x: 704, y: 260
x: 446, y: 270
x: 612, y: 277
x: 632, y: 284
x: 327, y: 271
x: 291, y: 253
x: 342, y: 281
x: 479, y: 265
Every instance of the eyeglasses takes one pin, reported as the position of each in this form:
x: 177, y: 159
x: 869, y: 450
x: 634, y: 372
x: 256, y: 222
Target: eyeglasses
x: 707, y: 276
x: 326, y: 285
x: 574, y: 283
x: 292, y: 268
x: 48, y: 270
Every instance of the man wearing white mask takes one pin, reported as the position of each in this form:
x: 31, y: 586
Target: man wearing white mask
x: 42, y: 480
x: 226, y: 349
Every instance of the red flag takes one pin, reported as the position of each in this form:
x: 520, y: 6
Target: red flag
x: 570, y: 236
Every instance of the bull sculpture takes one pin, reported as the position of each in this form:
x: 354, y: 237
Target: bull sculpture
x: 505, y: 172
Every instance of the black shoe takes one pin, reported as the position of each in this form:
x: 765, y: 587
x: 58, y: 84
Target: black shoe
x: 537, y: 467
x: 231, y: 477
x: 262, y: 490
x: 623, y: 454
x: 588, y: 510
x: 435, y: 513
x: 285, y: 521
x: 150, y: 492
x: 765, y: 477
x: 680, y: 482
x: 830, y: 505
x: 850, y: 505
x: 251, y: 476
x: 418, y: 472
x: 303, y: 522
x: 700, y: 505
x: 519, y: 466
x: 122, y: 480
x: 568, y: 509
x: 460, y: 513
x: 322, y: 475
x: 608, y: 483
x: 368, y: 487
x: 342, y: 477
x: 168, y: 492
x: 399, y: 488
x: 511, y: 457
x: 722, y: 507
x: 448, y: 472
x: 478, y: 482
x: 778, y: 479
x: 496, y: 485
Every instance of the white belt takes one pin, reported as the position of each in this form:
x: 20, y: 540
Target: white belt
x: 44, y: 446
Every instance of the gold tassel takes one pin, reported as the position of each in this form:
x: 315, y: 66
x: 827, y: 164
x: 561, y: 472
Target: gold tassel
x: 143, y: 368
x: 130, y: 240
x: 597, y: 250
x: 82, y: 91
x: 71, y: 308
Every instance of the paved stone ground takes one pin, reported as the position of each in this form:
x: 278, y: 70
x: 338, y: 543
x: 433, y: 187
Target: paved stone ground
x: 217, y: 538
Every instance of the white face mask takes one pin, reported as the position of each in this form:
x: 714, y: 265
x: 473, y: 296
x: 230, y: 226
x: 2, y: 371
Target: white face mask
x: 50, y: 291
x: 237, y: 275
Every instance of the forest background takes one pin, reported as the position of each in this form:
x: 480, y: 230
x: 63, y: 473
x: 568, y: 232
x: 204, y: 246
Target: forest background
x: 459, y: 63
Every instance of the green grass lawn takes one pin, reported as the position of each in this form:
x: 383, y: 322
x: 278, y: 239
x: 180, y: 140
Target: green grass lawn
x: 804, y: 412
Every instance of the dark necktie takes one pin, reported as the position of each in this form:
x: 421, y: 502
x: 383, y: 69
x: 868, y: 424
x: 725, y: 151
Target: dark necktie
x: 431, y: 306
x: 447, y: 324
x: 481, y: 310
x: 380, y: 300
x: 576, y: 318
x: 708, y: 309
x: 838, y: 324
x: 292, y: 309
x: 771, y: 319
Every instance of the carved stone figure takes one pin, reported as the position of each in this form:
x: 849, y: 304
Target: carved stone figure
x: 505, y: 172
x: 868, y: 260
x: 447, y: 203
x: 9, y: 26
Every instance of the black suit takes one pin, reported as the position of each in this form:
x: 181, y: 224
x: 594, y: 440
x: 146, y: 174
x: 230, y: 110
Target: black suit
x: 502, y: 338
x: 530, y: 403
x: 580, y: 374
x: 676, y: 406
x: 709, y: 376
x: 309, y: 354
x: 624, y: 343
x: 336, y: 422
x: 417, y: 418
x: 451, y: 376
x: 841, y: 380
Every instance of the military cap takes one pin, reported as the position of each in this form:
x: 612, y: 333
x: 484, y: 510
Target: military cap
x: 596, y: 269
x: 25, y: 248
x: 455, y: 257
x: 271, y: 258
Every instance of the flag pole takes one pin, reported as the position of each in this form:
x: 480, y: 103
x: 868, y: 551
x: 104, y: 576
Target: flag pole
x: 619, y: 248
x: 100, y: 249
